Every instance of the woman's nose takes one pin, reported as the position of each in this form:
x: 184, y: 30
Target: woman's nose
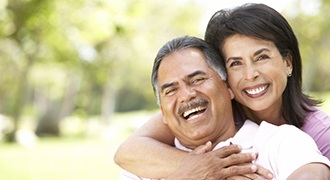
x: 251, y: 72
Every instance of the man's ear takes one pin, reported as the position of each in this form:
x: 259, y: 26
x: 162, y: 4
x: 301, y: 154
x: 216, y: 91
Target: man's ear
x: 163, y: 117
x: 231, y: 93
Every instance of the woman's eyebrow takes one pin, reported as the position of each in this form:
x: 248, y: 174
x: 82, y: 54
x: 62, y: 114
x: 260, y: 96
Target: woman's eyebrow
x: 233, y: 58
x: 260, y: 51
x: 254, y: 54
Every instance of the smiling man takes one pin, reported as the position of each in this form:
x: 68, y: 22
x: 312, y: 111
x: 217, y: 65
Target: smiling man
x: 188, y: 78
x: 194, y: 99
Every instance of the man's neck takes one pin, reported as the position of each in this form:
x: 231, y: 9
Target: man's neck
x: 228, y: 133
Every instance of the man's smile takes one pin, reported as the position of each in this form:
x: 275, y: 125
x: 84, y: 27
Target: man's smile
x: 192, y: 112
x: 192, y: 108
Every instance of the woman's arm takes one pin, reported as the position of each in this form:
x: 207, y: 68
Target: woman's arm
x: 149, y: 151
x: 145, y: 154
x: 315, y: 171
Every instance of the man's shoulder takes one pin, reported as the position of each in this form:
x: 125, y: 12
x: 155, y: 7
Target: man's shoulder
x: 284, y: 128
x: 268, y: 132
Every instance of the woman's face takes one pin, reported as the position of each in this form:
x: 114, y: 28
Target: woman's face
x: 257, y: 73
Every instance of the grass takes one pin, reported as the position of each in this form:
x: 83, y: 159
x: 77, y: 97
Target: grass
x: 77, y: 158
x: 55, y: 159
x: 70, y: 158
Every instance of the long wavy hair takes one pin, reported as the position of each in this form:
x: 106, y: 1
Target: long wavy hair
x: 263, y: 22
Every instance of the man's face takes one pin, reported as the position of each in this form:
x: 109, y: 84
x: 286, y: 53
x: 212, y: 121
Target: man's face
x: 194, y: 100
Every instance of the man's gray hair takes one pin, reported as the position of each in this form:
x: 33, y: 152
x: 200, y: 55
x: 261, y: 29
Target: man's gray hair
x: 211, y: 55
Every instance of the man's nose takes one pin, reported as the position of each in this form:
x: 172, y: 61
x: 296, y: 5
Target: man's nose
x: 187, y: 93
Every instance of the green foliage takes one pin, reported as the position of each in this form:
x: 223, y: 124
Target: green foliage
x: 92, y: 56
x: 312, y: 27
x: 95, y: 56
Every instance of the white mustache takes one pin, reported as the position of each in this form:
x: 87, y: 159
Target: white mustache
x: 197, y: 102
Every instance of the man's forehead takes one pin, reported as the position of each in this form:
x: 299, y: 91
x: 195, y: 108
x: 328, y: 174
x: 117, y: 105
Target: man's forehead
x: 185, y: 57
x: 184, y: 62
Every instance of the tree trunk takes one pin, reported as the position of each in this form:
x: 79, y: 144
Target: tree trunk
x: 18, y: 105
x: 108, y: 102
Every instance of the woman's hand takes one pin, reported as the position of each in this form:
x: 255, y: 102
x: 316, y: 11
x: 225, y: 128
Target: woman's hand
x: 260, y: 174
x: 224, y: 163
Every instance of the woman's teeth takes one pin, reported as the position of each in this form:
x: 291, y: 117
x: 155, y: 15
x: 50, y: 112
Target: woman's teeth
x: 256, y: 91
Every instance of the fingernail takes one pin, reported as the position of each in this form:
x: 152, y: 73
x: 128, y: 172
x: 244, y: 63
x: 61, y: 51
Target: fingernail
x: 270, y: 175
x: 254, y: 168
x: 254, y: 155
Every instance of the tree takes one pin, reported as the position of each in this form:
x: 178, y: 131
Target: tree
x: 67, y: 57
x: 311, y: 25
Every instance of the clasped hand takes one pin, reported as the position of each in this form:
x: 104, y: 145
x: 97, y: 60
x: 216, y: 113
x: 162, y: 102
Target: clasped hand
x: 225, y: 163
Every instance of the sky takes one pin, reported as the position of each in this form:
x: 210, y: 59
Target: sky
x: 211, y: 6
x: 219, y: 4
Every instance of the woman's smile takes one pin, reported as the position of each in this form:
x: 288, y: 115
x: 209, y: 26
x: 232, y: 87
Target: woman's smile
x: 256, y: 91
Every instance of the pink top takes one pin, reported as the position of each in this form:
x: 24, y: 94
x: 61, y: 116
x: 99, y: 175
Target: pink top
x: 317, y: 125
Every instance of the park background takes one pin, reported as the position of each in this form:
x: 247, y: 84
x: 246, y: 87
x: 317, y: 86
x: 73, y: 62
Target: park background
x: 75, y: 75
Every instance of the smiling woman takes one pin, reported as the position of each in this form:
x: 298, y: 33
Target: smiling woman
x: 262, y: 40
x: 257, y: 74
x: 282, y: 101
x: 196, y: 105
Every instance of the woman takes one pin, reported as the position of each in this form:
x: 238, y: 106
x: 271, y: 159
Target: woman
x: 290, y: 105
x: 260, y: 92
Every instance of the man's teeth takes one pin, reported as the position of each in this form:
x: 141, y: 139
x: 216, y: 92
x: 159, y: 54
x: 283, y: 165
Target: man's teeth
x: 257, y: 90
x: 187, y: 113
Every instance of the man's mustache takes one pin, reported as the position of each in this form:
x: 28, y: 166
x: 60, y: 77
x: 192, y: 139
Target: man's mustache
x: 194, y: 103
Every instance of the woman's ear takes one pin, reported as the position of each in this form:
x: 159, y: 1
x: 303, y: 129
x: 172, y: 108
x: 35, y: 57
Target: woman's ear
x: 289, y: 66
x: 231, y: 93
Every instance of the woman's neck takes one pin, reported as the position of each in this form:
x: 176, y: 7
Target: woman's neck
x: 273, y: 116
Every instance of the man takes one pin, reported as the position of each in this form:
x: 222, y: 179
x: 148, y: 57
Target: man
x: 188, y: 78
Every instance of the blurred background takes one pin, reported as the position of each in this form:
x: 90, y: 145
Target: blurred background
x: 75, y: 75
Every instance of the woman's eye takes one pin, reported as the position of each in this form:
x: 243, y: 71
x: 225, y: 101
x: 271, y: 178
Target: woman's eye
x: 262, y: 57
x: 235, y: 63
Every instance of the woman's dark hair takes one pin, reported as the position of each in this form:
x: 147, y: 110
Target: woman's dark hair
x: 263, y: 22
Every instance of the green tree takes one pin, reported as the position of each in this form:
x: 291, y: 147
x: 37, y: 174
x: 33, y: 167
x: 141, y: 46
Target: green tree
x: 83, y: 57
x: 312, y: 26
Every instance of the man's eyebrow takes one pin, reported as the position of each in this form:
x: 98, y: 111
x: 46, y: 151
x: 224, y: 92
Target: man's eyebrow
x: 166, y: 85
x: 195, y: 74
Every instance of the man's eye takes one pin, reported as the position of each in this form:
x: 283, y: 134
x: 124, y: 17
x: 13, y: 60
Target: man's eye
x: 170, y: 91
x: 198, y: 80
